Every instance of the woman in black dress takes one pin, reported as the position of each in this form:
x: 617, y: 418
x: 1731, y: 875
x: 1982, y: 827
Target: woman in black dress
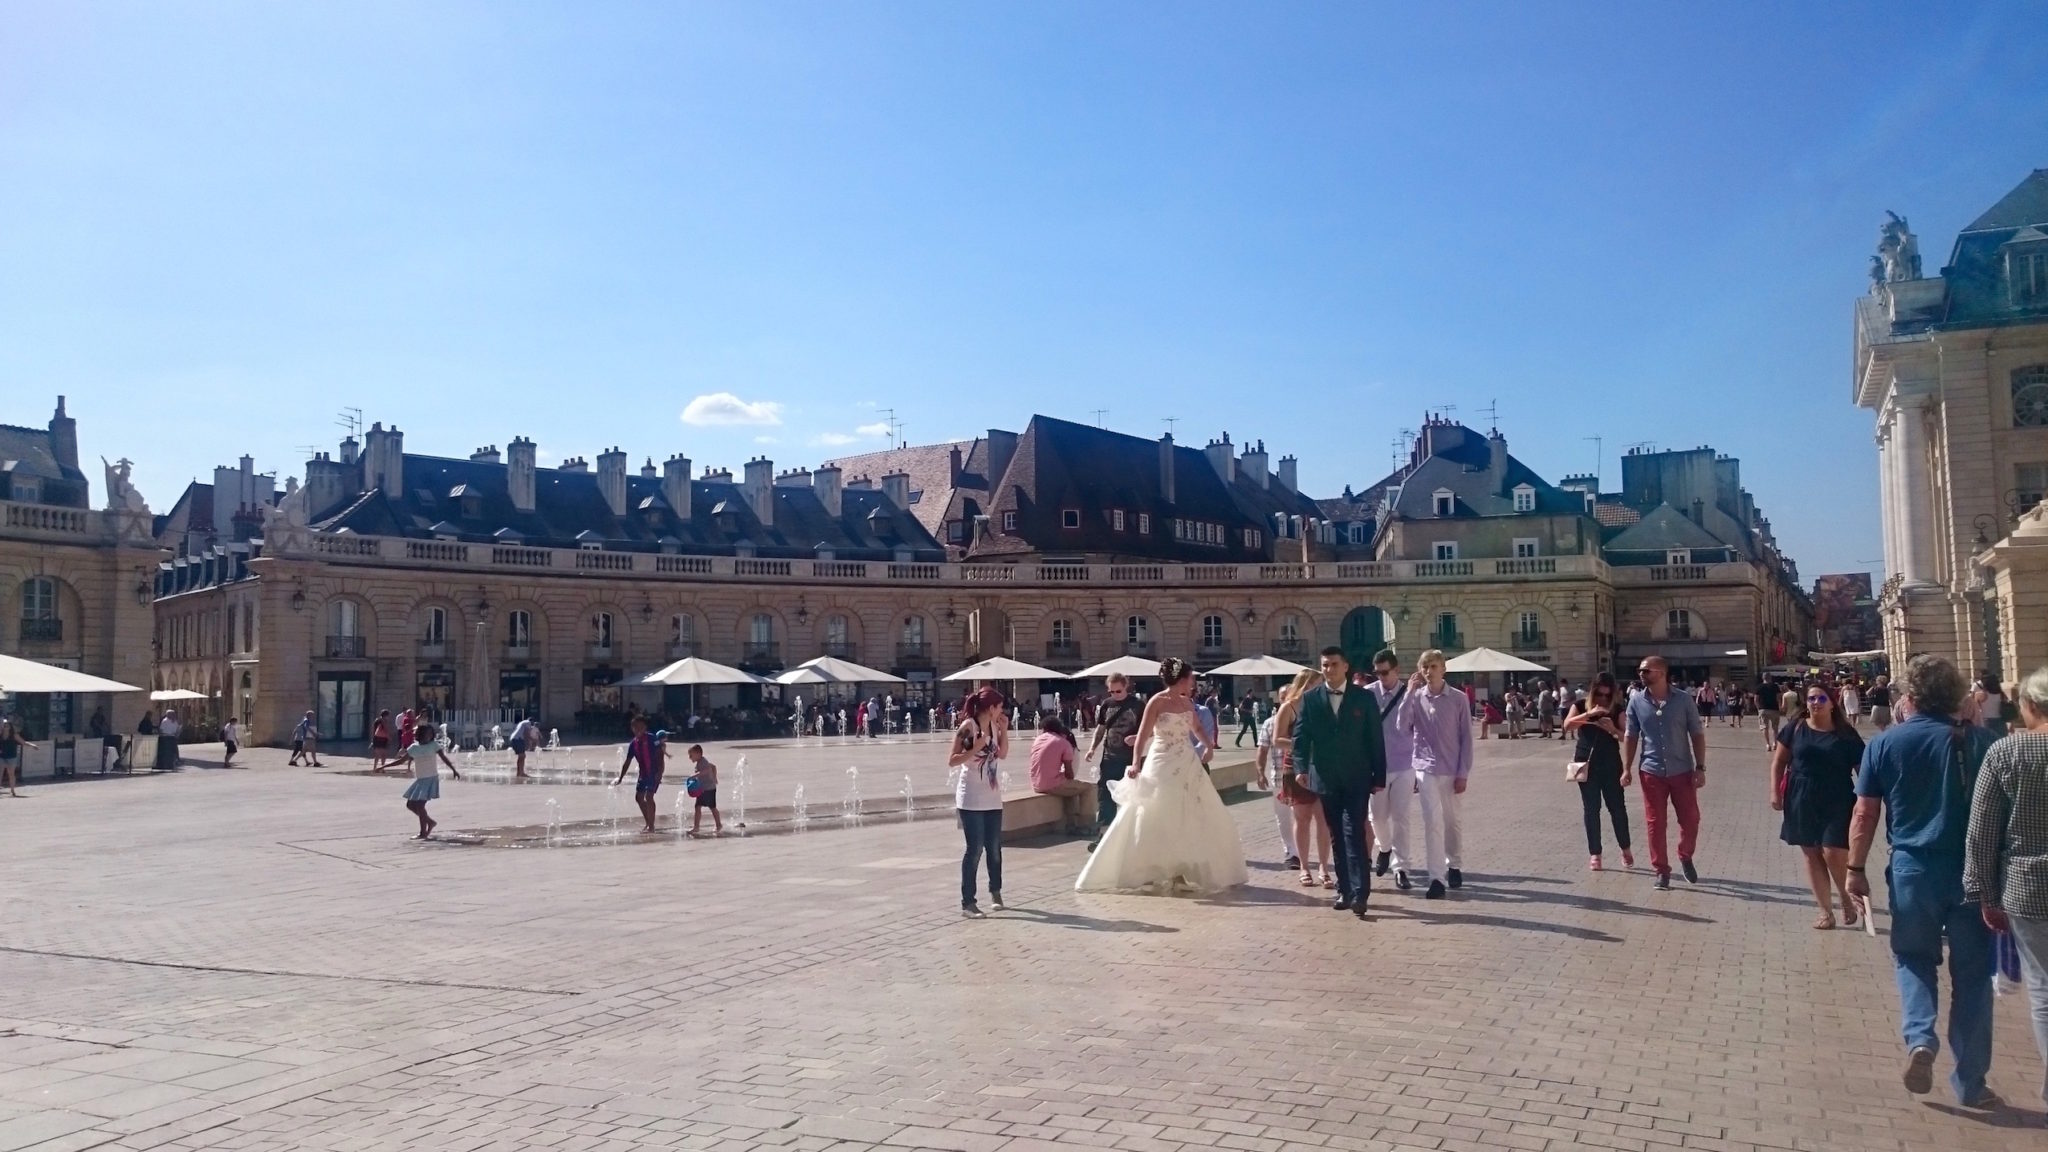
x: 1813, y: 781
x: 1595, y: 723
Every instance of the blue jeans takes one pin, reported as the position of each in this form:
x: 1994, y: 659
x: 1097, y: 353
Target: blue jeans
x: 1927, y: 903
x: 2032, y: 938
x: 984, y: 831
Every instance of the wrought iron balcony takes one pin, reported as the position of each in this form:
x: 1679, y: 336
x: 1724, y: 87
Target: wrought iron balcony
x: 841, y: 650
x: 1528, y: 642
x: 1449, y: 640
x: 1140, y: 648
x: 1295, y: 649
x: 759, y: 654
x: 346, y: 647
x: 910, y: 654
x: 47, y: 631
x: 1058, y: 655
x: 681, y: 649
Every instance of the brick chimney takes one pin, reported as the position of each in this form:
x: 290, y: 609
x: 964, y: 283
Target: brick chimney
x: 611, y: 479
x: 896, y: 488
x: 1222, y: 459
x: 1286, y: 474
x: 488, y: 454
x: 1253, y: 463
x: 675, y: 484
x: 825, y: 485
x: 759, y: 489
x: 1166, y: 467
x: 573, y: 464
x: 64, y: 437
x: 953, y: 472
x: 519, y: 473
x: 384, y: 460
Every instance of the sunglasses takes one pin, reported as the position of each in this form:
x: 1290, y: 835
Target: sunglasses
x: 1817, y: 698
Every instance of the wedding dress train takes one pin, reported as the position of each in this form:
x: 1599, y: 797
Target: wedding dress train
x: 1171, y: 832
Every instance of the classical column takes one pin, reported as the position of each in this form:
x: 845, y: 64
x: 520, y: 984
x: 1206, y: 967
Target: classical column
x: 1887, y: 501
x: 1916, y: 491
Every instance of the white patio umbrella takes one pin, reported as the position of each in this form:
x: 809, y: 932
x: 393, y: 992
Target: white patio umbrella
x: 1259, y: 666
x: 697, y: 670
x: 1004, y: 668
x: 1128, y: 665
x: 177, y: 694
x: 18, y: 675
x: 1489, y: 660
x: 833, y: 670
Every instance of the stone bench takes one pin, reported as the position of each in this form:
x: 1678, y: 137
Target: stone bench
x: 1027, y: 813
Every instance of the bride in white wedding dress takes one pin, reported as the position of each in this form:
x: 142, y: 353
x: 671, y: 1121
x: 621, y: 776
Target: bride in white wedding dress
x: 1171, y: 832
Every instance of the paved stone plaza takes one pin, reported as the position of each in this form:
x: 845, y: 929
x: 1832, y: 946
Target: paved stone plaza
x: 264, y: 960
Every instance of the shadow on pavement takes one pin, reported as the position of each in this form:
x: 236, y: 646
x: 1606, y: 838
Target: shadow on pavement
x: 1431, y: 916
x: 1588, y: 903
x: 2003, y: 1116
x: 1076, y: 921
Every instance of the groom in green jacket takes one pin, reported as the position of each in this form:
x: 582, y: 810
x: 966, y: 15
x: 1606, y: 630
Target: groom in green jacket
x: 1337, y: 744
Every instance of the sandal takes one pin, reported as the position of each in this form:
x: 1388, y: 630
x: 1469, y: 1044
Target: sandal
x: 1329, y: 881
x: 1826, y: 921
x: 1307, y: 880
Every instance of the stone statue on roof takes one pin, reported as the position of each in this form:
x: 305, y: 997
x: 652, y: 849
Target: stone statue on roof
x: 1898, y: 249
x: 121, y: 493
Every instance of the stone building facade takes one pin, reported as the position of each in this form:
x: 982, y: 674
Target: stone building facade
x: 389, y: 579
x: 1955, y: 367
x: 75, y: 581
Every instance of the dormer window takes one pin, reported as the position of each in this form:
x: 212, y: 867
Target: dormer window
x: 1444, y: 502
x: 1676, y: 557
x: 1446, y: 549
x: 1116, y: 519
x: 1525, y: 498
x: 2026, y: 272
x: 1070, y: 517
x: 1009, y: 521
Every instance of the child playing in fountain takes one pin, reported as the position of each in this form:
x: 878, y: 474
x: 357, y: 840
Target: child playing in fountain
x: 427, y: 756
x: 646, y: 750
x: 707, y: 791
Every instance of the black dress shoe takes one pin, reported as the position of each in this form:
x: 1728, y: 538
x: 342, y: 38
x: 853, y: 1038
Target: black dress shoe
x: 1401, y: 880
x: 1358, y: 909
x: 1457, y: 878
x: 1436, y: 890
x: 1379, y: 866
x: 1342, y: 905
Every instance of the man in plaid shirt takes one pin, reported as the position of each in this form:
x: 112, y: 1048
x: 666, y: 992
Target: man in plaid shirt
x: 2007, y: 862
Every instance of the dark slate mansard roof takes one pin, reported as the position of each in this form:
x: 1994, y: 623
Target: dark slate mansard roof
x: 1060, y: 464
x: 569, y: 508
x: 1978, y: 295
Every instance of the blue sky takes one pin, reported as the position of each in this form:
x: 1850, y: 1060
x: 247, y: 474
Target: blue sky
x: 222, y: 223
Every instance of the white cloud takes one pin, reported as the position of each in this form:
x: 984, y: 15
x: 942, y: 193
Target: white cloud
x: 726, y: 408
x: 876, y: 429
x: 766, y: 440
x: 833, y: 439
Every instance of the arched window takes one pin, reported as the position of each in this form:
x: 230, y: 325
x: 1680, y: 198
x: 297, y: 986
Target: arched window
x: 1063, y: 633
x: 913, y: 633
x: 519, y: 629
x: 434, y: 632
x: 1212, y: 633
x: 344, y: 618
x: 682, y: 631
x: 837, y: 642
x: 2030, y: 396
x: 1137, y: 635
x: 601, y: 630
x: 761, y: 629
x: 1678, y: 624
x: 39, y: 609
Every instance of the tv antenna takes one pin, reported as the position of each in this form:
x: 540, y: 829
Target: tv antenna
x: 351, y: 419
x: 310, y: 450
x: 1492, y: 411
x: 1641, y: 446
x: 1099, y: 413
x: 1169, y: 421
x: 895, y: 427
x: 1440, y: 412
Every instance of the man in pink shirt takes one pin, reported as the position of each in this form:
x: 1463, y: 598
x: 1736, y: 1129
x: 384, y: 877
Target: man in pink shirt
x: 1052, y: 774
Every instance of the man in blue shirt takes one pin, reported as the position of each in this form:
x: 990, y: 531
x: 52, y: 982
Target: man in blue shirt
x: 1664, y: 727
x: 1921, y: 774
